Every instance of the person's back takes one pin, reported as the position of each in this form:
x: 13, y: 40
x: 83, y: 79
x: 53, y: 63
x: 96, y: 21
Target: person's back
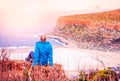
x: 43, y: 53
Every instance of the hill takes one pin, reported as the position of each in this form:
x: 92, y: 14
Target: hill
x: 95, y: 30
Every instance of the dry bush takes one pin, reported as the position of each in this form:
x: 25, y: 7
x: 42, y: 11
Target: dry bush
x: 55, y: 73
x: 13, y: 70
x: 22, y: 71
x: 106, y: 75
x: 4, y: 55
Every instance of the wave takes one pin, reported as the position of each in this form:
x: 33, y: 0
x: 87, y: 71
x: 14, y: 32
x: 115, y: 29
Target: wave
x: 14, y: 47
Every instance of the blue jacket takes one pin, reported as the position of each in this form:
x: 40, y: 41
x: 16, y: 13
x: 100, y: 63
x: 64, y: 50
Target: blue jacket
x: 43, y: 54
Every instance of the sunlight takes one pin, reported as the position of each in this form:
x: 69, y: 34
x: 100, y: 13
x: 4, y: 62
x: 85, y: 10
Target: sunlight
x: 21, y: 22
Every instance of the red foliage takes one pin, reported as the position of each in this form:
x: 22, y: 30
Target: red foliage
x: 22, y: 71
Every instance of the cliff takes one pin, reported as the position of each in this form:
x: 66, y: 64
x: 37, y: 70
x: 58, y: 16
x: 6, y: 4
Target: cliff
x: 92, y: 19
x: 94, y: 30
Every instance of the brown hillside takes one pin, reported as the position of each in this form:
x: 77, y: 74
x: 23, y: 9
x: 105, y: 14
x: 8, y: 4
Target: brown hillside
x: 111, y: 19
x: 94, y: 30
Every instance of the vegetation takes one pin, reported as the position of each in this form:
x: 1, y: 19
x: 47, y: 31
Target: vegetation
x: 21, y: 71
x: 105, y: 75
x: 100, y: 75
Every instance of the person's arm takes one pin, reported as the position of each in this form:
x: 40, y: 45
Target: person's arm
x: 36, y: 55
x: 50, y: 56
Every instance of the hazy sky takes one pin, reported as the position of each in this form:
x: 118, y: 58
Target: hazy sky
x: 18, y: 17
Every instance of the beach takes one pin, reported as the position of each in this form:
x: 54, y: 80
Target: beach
x: 74, y: 59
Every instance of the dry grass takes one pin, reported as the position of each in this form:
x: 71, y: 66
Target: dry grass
x: 22, y: 71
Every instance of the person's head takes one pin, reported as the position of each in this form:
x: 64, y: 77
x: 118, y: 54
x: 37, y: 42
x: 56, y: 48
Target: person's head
x: 43, y: 37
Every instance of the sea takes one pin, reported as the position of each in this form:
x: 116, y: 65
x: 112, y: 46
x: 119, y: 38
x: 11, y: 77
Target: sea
x: 8, y: 42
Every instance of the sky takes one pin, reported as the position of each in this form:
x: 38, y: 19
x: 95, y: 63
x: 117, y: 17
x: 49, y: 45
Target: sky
x: 27, y: 17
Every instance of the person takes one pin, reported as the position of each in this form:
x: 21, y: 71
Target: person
x: 30, y: 57
x: 43, y: 52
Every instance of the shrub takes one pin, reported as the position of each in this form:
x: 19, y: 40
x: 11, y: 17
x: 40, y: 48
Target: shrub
x: 105, y: 75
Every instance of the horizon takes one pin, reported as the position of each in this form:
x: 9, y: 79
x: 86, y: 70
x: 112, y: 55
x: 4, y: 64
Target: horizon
x: 21, y: 18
